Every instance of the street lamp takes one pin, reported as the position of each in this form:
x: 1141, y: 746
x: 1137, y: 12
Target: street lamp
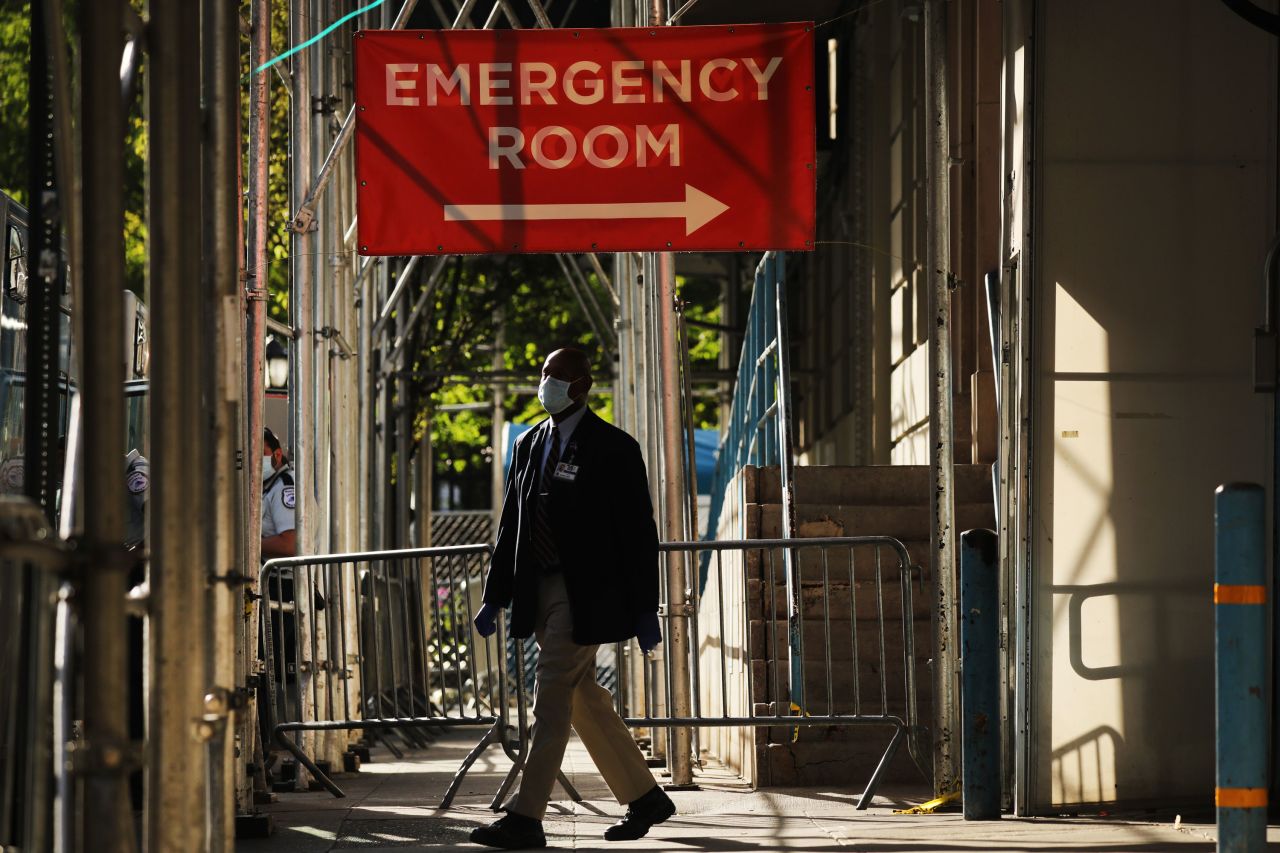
x: 277, y: 364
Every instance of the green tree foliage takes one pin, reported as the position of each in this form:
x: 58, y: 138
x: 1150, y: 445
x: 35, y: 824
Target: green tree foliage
x: 15, y: 37
x: 528, y: 295
x: 15, y: 47
x: 701, y: 301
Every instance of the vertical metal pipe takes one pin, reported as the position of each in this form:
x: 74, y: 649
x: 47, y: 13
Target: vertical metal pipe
x: 302, y: 266
x: 256, y: 295
x: 106, y: 813
x: 774, y: 265
x: 497, y: 477
x: 623, y: 398
x: 179, y: 565
x: 404, y: 466
x: 344, y: 418
x: 946, y: 769
x: 673, y: 486
x: 63, y: 830
x: 302, y: 414
x: 980, y: 687
x: 853, y: 633
x: 365, y: 403
x: 224, y: 380
x: 1240, y: 643
x: 40, y: 403
x: 326, y: 391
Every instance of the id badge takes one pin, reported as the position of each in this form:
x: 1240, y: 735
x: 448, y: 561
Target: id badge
x: 565, y: 472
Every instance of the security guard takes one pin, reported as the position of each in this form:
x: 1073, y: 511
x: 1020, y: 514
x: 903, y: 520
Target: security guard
x: 137, y: 479
x: 278, y: 501
x: 279, y: 539
x: 576, y: 559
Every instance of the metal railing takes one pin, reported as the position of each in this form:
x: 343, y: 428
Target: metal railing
x: 857, y: 614
x: 758, y: 429
x: 383, y: 641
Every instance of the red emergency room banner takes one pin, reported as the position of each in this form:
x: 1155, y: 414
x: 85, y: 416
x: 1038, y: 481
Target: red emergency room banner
x: 637, y: 139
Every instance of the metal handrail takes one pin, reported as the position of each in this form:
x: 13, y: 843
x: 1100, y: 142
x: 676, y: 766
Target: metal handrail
x: 762, y: 382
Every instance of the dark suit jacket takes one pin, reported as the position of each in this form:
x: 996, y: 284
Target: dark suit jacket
x: 603, y: 527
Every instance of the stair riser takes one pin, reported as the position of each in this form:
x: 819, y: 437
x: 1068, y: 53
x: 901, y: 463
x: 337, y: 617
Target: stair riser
x: 851, y: 764
x: 834, y: 603
x: 900, y: 522
x: 847, y: 696
x: 810, y: 562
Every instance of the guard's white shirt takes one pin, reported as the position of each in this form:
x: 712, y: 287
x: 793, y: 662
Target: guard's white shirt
x: 278, y: 502
x: 566, y: 428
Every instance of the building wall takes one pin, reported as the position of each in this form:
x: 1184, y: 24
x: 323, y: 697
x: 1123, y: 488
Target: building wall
x: 908, y: 292
x: 831, y: 286
x: 1154, y: 200
x: 862, y: 298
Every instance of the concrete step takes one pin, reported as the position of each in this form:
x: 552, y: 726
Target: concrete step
x: 867, y: 485
x: 838, y: 600
x: 835, y: 761
x: 901, y: 522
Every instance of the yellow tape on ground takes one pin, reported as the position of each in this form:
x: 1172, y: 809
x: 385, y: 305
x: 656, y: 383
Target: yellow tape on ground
x: 931, y: 806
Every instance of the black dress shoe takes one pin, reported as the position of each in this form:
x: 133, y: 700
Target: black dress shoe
x: 651, y: 809
x: 511, y: 832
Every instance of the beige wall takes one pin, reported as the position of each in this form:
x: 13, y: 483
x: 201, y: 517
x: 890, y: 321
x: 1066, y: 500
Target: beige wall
x: 1154, y: 202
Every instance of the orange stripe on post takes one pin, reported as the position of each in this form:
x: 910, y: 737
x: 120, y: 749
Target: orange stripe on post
x: 1241, y: 798
x: 1224, y: 593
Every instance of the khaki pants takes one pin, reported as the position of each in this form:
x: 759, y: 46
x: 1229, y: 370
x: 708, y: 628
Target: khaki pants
x: 566, y: 693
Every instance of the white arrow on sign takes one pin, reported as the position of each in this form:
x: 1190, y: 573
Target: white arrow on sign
x: 696, y: 210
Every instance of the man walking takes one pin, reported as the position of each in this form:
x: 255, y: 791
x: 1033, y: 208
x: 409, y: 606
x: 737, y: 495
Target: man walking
x: 576, y: 558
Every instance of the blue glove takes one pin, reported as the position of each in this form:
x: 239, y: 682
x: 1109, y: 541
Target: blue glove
x: 648, y: 633
x: 486, y: 620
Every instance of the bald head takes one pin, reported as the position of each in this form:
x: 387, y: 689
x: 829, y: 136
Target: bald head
x: 572, y: 366
x: 568, y: 364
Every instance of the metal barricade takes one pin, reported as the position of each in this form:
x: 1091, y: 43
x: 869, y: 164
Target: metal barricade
x: 383, y: 641
x: 858, y: 621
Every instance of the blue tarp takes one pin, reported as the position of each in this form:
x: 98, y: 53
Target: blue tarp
x: 705, y: 444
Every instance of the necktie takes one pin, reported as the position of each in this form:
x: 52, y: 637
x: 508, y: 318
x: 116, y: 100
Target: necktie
x: 543, y: 540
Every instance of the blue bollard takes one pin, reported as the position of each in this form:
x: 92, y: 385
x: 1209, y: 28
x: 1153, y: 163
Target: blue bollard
x: 980, y: 673
x: 1240, y: 641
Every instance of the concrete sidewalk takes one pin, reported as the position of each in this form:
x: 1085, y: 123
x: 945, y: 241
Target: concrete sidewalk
x: 391, y: 805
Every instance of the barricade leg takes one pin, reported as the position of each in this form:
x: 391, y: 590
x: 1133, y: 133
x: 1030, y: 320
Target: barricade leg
x: 492, y: 736
x: 980, y: 676
x: 305, y: 761
x: 874, y: 783
x: 1240, y: 627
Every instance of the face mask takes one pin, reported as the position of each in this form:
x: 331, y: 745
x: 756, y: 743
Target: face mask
x: 267, y: 468
x: 554, y: 395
